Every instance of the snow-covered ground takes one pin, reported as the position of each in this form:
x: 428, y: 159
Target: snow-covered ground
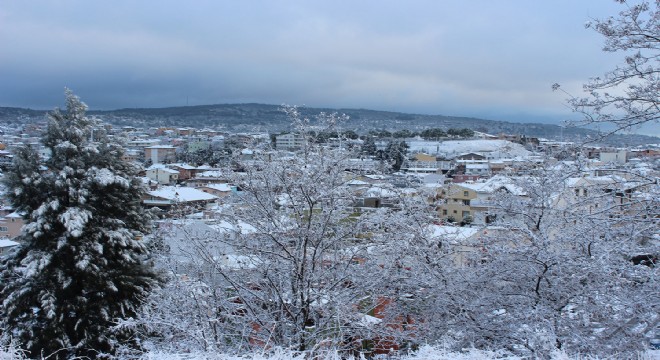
x: 452, y: 148
x: 424, y: 353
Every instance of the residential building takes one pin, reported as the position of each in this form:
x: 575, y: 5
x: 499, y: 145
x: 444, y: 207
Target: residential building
x: 618, y: 156
x: 219, y: 190
x: 185, y: 197
x: 289, y: 141
x: 159, y: 154
x: 162, y: 174
x: 208, y: 177
x: 456, y: 202
x: 6, y: 244
x: 186, y: 171
x: 11, y: 225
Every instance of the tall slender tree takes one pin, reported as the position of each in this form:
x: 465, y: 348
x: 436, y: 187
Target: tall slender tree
x: 80, y: 266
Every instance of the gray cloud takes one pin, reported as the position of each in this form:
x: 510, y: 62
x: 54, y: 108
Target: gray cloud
x: 464, y: 58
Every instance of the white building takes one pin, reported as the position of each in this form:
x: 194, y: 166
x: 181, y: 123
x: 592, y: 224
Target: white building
x: 162, y: 174
x: 620, y: 156
x: 289, y: 141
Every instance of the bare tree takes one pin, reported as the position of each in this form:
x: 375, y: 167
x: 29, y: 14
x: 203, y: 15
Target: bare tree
x: 627, y: 96
x: 295, y: 261
x: 557, y: 272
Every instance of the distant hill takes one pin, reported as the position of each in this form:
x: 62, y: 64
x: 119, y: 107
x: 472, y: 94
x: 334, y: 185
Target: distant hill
x: 262, y: 117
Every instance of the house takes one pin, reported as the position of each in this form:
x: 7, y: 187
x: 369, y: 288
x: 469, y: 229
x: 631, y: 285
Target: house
x: 477, y: 169
x: 186, y: 171
x: 424, y: 157
x: 140, y: 144
x: 11, y: 225
x: 470, y: 156
x: 374, y: 179
x: 379, y: 196
x: 208, y: 177
x: 619, y: 156
x: 362, y: 165
x: 185, y: 131
x: 162, y: 174
x: 500, y: 166
x: 357, y: 186
x: 424, y: 163
x: 467, y: 245
x: 644, y: 153
x: 132, y: 155
x: 589, y: 193
x: 6, y: 244
x: 159, y: 154
x: 456, y: 205
x: 461, y: 178
x: 487, y: 192
x: 219, y: 190
x: 169, y: 196
x: 459, y: 239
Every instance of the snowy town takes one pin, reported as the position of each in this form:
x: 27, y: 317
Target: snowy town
x: 363, y: 242
x: 316, y: 180
x: 463, y: 175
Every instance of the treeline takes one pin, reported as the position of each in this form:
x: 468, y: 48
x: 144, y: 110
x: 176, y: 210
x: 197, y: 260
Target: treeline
x: 428, y: 134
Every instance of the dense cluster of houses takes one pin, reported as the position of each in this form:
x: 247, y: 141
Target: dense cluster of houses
x: 465, y: 175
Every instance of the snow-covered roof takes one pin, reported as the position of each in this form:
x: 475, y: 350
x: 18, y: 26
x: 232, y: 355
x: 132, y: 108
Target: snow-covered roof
x: 5, y: 243
x: 593, y: 180
x: 377, y: 191
x: 15, y: 215
x: 242, y: 227
x: 467, y: 146
x: 210, y: 174
x: 455, y: 233
x: 356, y: 182
x: 477, y: 166
x: 433, y: 178
x: 160, y: 147
x: 219, y: 187
x: 495, y: 183
x: 181, y: 193
x: 146, y: 181
x: 184, y: 166
x: 162, y: 168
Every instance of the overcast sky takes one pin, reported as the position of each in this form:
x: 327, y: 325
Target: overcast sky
x: 483, y: 58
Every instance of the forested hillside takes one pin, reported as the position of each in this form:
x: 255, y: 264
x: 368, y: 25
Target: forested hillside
x: 262, y: 117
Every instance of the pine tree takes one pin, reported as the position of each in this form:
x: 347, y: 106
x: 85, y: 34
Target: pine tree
x: 369, y: 146
x: 80, y: 267
x: 396, y: 153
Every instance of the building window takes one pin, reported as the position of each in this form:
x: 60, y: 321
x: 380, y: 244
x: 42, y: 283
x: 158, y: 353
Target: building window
x: 465, y: 193
x: 577, y: 192
x: 3, y: 229
x: 455, y: 212
x: 466, y: 202
x: 444, y: 212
